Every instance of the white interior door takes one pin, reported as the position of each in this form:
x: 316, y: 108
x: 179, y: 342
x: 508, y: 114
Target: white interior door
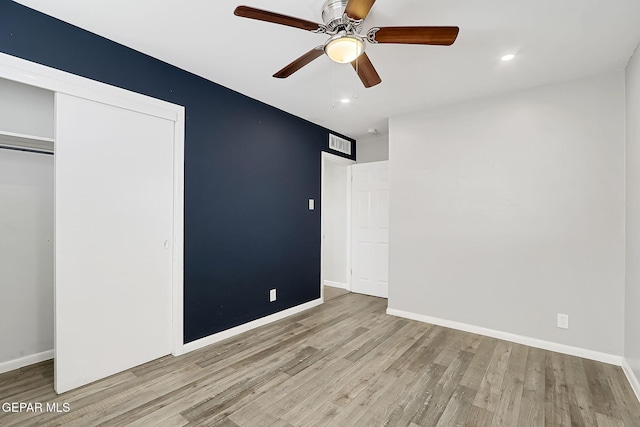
x: 113, y: 229
x: 370, y: 228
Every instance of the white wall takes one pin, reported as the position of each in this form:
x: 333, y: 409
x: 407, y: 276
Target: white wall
x: 373, y: 149
x: 26, y: 254
x: 334, y: 217
x: 25, y: 109
x: 632, y: 310
x: 509, y: 210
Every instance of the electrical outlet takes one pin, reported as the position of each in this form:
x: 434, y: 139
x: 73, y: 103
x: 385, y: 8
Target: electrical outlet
x: 272, y: 295
x: 563, y: 321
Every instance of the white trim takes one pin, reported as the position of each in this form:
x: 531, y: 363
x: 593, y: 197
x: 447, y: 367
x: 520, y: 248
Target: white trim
x: 335, y: 284
x: 220, y: 336
x: 30, y: 73
x: 631, y: 376
x: 328, y: 157
x: 507, y: 336
x: 348, y: 235
x: 25, y: 361
x: 178, y: 235
x: 48, y: 78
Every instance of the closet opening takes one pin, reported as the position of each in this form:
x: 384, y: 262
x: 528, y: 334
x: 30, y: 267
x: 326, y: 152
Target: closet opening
x: 26, y: 224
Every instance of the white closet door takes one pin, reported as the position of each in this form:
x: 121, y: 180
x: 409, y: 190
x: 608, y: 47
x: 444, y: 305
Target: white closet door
x: 370, y: 228
x: 113, y: 228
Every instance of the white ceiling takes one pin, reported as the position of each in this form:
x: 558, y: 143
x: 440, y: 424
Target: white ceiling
x: 555, y: 40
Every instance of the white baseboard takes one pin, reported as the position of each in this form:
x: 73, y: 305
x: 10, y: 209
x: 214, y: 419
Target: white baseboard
x: 631, y: 376
x: 507, y: 336
x: 220, y: 336
x: 25, y: 361
x: 335, y: 284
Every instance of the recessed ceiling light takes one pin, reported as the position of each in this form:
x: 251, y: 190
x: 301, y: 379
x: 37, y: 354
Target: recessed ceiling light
x: 345, y: 100
x: 508, y: 57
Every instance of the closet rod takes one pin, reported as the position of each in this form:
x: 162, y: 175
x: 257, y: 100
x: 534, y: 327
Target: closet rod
x: 28, y: 150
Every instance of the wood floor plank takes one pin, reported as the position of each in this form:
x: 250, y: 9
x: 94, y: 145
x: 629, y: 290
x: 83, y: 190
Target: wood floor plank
x: 490, y: 388
x: 431, y: 348
x: 402, y: 362
x: 332, y: 293
x: 320, y: 382
x: 101, y: 410
x: 322, y: 415
x: 344, y: 363
x: 76, y: 398
x: 628, y: 408
x: 607, y: 421
x: 226, y: 423
x: 471, y: 342
x: 556, y: 410
x: 189, y: 397
x: 603, y: 398
x: 419, y: 395
x: 453, y: 344
x: 507, y: 410
x: 580, y: 407
x: 478, y: 366
x: 479, y: 417
x: 214, y: 407
x: 353, y: 410
x: 533, y: 392
x: 364, y: 374
x: 368, y: 372
x: 385, y: 403
x: 172, y: 400
x: 458, y: 407
x: 290, y: 393
x: 444, y: 389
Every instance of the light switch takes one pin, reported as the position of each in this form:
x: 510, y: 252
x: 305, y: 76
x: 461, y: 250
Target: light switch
x: 311, y: 204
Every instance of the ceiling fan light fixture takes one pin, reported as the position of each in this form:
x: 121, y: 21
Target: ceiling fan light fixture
x: 343, y: 48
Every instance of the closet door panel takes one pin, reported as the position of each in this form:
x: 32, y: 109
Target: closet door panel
x: 113, y: 228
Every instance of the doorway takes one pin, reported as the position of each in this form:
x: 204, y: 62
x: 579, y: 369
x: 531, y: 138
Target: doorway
x: 26, y: 224
x: 336, y: 225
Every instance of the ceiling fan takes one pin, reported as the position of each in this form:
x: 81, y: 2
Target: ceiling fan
x: 343, y: 22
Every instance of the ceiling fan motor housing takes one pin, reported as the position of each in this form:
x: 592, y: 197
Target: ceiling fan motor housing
x: 332, y: 12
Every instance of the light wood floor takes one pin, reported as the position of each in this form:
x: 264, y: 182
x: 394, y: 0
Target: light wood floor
x: 345, y: 363
x: 332, y: 293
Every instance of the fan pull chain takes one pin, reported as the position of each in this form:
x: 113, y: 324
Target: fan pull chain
x: 333, y: 85
x: 355, y: 95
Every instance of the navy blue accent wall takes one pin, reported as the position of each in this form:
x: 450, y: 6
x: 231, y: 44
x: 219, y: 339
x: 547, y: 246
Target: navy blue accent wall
x: 249, y: 172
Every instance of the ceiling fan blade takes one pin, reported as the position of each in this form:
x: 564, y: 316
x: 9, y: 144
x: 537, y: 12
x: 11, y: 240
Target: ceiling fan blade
x: 358, y: 9
x: 276, y: 18
x: 444, y: 36
x: 299, y: 63
x: 366, y: 71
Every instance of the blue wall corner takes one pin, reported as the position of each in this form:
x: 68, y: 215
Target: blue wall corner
x: 249, y: 172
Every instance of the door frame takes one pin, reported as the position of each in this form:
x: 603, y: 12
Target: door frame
x: 33, y: 74
x: 328, y: 157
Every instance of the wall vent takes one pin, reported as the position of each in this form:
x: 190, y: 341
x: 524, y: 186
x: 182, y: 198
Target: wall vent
x: 339, y: 144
